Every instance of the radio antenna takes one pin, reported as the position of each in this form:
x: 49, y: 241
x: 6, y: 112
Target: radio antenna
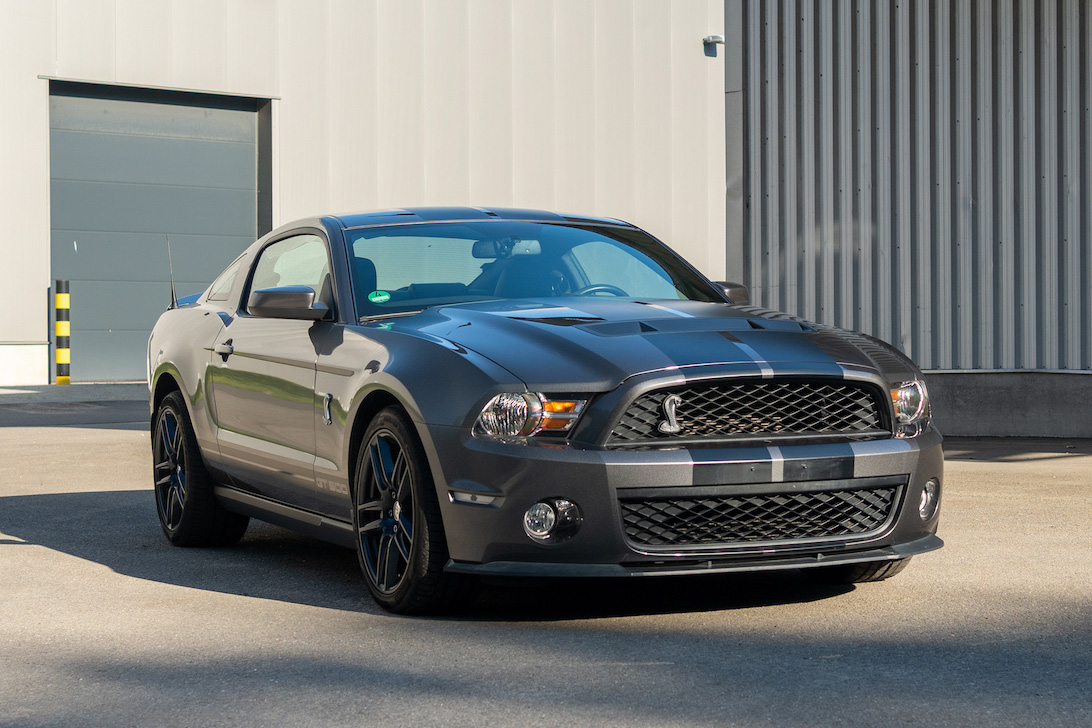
x: 170, y: 267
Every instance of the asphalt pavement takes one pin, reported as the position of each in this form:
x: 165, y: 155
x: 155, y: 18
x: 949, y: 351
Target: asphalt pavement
x: 103, y: 623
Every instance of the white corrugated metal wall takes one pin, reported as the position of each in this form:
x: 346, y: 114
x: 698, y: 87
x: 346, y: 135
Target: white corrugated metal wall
x: 920, y: 170
x: 609, y: 107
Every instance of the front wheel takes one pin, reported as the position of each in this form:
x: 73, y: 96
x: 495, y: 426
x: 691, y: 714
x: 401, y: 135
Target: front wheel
x: 188, y: 510
x: 400, y: 535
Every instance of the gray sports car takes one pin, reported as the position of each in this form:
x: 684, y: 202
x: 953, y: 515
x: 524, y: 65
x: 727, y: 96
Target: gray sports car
x: 456, y: 392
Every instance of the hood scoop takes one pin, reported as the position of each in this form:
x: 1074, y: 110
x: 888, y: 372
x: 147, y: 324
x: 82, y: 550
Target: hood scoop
x: 621, y: 328
x: 691, y: 325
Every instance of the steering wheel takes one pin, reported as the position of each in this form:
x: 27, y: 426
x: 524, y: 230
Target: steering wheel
x: 600, y: 288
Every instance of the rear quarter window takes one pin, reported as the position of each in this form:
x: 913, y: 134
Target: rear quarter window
x: 221, y: 287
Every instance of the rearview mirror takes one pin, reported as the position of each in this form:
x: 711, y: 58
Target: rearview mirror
x: 737, y: 292
x: 287, y: 302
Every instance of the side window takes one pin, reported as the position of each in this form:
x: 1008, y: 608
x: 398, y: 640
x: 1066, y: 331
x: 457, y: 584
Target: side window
x: 297, y: 261
x: 221, y: 287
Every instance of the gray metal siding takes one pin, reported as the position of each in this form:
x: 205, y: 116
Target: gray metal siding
x: 122, y: 174
x: 919, y: 170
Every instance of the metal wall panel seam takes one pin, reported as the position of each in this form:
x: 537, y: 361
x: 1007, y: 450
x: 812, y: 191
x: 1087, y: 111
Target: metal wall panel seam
x: 792, y: 186
x: 1027, y: 184
x: 983, y: 245
x: 774, y: 170
x: 865, y: 170
x: 884, y: 171
x: 843, y: 286
x: 902, y: 291
x: 1047, y: 200
x: 751, y: 171
x: 942, y: 196
x: 963, y: 192
x: 716, y: 180
x: 829, y: 187
x: 1005, y: 181
x: 1086, y: 185
x: 1070, y: 294
x: 756, y: 177
x: 923, y: 188
x: 807, y: 128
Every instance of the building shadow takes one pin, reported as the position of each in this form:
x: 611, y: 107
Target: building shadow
x: 1009, y: 449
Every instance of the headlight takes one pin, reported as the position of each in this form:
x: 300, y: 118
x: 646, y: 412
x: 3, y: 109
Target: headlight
x: 521, y: 414
x: 911, y: 403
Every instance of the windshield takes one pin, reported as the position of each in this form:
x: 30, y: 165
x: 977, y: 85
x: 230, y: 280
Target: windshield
x: 409, y: 267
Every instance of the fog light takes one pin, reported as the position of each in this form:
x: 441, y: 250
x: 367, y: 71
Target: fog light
x: 553, y: 520
x: 539, y: 520
x: 930, y: 499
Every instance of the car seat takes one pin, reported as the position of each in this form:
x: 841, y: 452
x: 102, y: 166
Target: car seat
x: 528, y: 277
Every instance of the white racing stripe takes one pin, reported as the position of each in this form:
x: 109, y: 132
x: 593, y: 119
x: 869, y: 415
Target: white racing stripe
x: 669, y: 310
x: 777, y: 465
x: 763, y: 365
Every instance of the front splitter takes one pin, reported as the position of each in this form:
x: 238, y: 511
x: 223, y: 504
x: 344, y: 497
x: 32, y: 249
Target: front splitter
x: 682, y: 567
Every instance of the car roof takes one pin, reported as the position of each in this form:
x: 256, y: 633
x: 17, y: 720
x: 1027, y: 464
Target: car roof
x: 462, y: 214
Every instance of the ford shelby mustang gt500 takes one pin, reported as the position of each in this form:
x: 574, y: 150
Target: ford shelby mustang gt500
x: 460, y: 391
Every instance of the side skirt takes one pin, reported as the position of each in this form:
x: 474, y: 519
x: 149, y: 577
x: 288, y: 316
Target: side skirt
x: 296, y: 519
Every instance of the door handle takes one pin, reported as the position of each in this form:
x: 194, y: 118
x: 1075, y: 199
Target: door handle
x: 224, y: 349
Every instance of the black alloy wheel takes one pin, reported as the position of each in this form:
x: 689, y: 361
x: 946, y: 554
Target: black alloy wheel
x: 170, y: 470
x: 188, y: 510
x: 386, y: 516
x: 396, y: 515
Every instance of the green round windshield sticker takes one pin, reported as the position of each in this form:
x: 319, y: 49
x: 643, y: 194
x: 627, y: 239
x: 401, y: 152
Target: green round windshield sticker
x: 379, y: 296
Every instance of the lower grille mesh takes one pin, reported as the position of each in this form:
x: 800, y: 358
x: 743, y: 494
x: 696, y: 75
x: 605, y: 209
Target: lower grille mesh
x: 751, y: 518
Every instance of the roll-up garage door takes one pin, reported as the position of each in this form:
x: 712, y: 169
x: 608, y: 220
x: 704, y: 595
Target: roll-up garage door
x: 127, y: 168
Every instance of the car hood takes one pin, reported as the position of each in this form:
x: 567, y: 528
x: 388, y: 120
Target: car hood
x: 593, y: 344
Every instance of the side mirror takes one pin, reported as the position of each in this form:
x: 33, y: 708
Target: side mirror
x: 287, y: 302
x: 737, y: 292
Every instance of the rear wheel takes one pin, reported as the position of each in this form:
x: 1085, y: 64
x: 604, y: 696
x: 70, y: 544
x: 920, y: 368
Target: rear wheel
x: 400, y: 535
x: 861, y: 573
x: 188, y: 510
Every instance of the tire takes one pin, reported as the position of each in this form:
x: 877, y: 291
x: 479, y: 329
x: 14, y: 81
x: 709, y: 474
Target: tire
x: 396, y: 516
x: 862, y: 573
x: 188, y: 510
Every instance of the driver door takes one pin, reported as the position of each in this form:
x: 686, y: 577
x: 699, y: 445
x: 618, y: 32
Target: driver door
x: 262, y: 380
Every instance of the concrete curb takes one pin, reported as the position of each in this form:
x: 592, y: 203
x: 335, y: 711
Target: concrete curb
x: 91, y: 392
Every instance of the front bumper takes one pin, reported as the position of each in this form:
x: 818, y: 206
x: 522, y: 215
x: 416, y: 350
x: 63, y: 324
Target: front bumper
x: 485, y: 487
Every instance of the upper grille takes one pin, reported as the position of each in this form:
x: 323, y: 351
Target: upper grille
x: 744, y: 519
x: 727, y: 409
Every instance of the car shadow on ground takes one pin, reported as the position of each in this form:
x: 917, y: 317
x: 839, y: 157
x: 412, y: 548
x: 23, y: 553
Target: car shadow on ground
x: 120, y: 530
x: 541, y: 600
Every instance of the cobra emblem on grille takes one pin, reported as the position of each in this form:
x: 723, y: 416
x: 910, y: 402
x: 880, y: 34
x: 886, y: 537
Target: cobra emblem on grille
x: 670, y: 425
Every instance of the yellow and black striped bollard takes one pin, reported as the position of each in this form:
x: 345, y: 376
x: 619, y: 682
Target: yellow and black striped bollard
x: 63, y: 331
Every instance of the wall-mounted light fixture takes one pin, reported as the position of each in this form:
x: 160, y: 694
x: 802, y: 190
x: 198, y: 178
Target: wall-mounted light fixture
x: 713, y: 40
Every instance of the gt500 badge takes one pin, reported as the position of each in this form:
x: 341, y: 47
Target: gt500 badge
x: 670, y: 425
